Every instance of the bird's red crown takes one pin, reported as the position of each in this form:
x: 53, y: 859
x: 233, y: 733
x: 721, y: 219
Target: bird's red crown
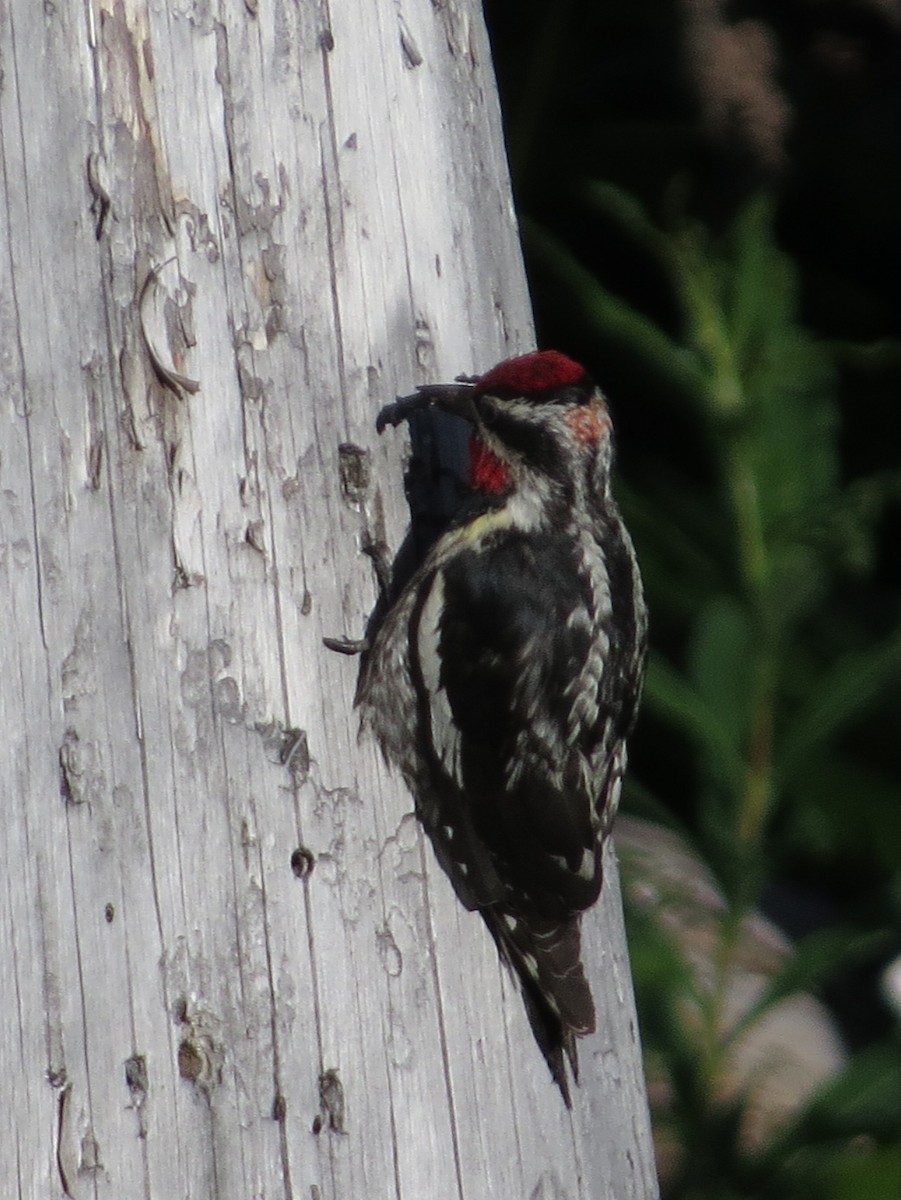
x: 531, y: 374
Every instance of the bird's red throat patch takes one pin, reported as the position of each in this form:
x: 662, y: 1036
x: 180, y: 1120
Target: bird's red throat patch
x: 487, y: 473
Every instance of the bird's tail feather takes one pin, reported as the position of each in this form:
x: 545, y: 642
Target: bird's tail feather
x: 546, y: 956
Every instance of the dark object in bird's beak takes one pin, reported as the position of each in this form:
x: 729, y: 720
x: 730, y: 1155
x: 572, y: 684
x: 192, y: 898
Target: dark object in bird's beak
x: 454, y: 398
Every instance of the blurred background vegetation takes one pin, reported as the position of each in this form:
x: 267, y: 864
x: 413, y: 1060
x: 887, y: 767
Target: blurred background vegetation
x: 710, y: 200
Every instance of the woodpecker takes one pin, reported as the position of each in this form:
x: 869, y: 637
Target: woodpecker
x: 503, y: 677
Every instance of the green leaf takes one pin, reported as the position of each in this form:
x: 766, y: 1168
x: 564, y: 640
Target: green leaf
x: 622, y: 207
x: 721, y: 664
x: 770, y: 383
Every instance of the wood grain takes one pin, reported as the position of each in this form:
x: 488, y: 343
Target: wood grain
x: 229, y: 234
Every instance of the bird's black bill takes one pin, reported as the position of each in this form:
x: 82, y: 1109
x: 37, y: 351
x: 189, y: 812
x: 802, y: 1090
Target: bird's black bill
x: 455, y: 398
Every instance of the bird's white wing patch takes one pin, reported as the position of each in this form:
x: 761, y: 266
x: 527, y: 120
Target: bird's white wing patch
x: 442, y: 727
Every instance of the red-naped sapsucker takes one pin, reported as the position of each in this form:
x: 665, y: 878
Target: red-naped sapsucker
x: 503, y: 677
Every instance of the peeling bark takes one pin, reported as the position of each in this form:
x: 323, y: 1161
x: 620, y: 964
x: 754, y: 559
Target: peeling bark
x: 229, y: 235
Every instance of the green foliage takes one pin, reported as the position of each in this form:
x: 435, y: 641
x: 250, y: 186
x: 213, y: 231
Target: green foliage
x: 768, y: 673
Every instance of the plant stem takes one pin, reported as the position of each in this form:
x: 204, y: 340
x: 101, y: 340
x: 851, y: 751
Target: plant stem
x: 729, y: 403
x: 754, y: 802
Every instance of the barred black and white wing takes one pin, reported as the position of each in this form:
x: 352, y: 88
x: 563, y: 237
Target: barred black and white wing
x: 514, y: 745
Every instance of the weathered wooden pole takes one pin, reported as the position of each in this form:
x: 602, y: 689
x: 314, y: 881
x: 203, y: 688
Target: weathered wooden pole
x: 231, y: 968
